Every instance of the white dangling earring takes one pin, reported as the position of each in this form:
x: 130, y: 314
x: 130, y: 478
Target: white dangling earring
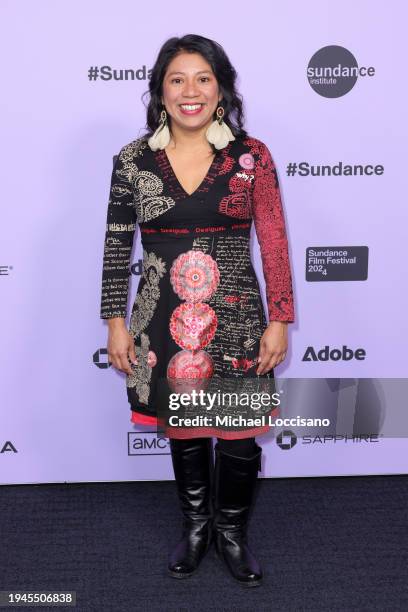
x: 161, y: 138
x: 219, y: 133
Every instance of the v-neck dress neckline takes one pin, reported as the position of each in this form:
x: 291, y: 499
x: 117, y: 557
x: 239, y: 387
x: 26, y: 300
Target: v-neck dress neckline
x: 176, y: 187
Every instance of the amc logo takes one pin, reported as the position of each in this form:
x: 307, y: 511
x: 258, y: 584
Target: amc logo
x: 147, y: 443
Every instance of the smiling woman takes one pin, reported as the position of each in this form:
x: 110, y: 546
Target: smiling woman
x: 190, y: 88
x: 190, y: 94
x: 194, y: 183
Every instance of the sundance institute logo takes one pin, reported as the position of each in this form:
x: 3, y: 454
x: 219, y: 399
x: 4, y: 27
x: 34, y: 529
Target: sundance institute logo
x: 333, y: 71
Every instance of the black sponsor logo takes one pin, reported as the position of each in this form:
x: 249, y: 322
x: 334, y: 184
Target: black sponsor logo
x: 335, y: 354
x: 336, y: 263
x: 286, y: 439
x: 333, y: 71
x: 335, y: 439
x: 100, y: 359
x: 147, y: 443
x: 329, y: 439
x: 5, y: 270
x: 8, y: 447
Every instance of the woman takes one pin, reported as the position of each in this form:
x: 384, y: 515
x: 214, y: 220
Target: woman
x: 194, y: 183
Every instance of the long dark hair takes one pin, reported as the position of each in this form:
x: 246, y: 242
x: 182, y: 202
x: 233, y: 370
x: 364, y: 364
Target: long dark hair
x: 224, y: 72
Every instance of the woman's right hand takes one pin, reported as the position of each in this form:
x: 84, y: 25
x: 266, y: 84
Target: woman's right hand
x: 121, y: 346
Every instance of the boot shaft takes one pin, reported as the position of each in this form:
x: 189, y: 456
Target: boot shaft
x: 193, y: 466
x: 235, y: 483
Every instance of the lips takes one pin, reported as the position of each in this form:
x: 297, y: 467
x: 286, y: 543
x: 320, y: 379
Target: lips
x: 191, y: 109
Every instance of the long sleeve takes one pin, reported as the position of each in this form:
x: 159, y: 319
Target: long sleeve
x: 120, y: 230
x: 270, y: 229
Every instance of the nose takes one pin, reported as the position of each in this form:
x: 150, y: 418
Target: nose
x: 190, y: 89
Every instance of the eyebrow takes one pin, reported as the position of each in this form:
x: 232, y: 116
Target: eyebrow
x: 179, y: 72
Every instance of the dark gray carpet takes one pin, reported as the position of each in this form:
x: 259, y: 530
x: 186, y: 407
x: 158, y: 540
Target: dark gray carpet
x: 325, y: 544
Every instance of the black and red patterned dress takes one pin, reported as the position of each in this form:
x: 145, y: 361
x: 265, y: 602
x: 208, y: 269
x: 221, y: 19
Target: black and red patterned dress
x: 198, y: 312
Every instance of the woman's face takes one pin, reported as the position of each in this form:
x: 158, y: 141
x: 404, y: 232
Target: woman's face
x: 190, y: 91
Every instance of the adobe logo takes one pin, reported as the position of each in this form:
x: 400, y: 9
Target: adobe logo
x: 334, y: 354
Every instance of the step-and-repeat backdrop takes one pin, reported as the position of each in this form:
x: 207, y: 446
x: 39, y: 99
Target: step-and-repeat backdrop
x: 324, y: 87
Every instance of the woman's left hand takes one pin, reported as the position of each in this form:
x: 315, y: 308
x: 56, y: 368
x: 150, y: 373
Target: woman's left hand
x: 273, y: 346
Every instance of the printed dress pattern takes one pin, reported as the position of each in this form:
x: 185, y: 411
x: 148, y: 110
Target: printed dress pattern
x: 198, y: 311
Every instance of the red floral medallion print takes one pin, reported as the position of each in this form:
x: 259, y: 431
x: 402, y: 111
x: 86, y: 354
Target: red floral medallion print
x: 193, y: 325
x: 188, y: 371
x: 194, y: 276
x: 188, y: 365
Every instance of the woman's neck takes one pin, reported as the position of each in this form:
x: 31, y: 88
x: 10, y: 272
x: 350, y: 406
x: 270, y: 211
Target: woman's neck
x: 192, y: 140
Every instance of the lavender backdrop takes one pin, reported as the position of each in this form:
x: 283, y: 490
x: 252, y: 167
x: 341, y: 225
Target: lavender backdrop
x: 64, y: 416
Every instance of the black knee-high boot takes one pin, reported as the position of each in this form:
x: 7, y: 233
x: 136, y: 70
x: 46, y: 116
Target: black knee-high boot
x: 193, y: 466
x: 235, y: 480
